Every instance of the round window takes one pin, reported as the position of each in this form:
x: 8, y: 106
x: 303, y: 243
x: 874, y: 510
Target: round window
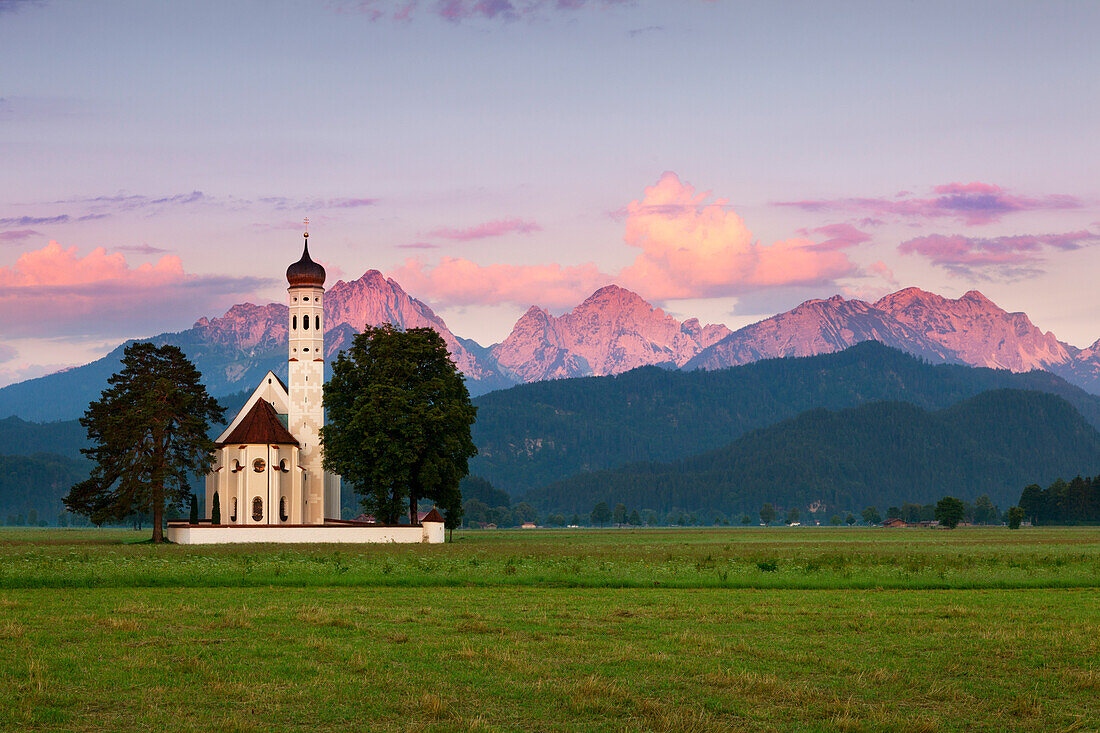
x: 259, y: 465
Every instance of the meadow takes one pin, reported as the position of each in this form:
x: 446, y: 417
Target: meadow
x: 686, y: 629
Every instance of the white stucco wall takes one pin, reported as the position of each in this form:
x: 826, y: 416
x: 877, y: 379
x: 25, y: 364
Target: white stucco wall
x: 428, y: 532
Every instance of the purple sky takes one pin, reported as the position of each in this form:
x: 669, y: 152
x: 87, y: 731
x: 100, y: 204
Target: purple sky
x: 726, y: 160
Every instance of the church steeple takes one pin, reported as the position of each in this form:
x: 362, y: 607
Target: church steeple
x: 305, y: 272
x: 307, y: 378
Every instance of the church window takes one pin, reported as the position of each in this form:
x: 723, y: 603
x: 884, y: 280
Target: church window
x: 283, y: 516
x: 305, y: 348
x: 305, y: 322
x: 294, y: 323
x: 259, y: 465
x: 236, y: 466
x: 257, y: 509
x: 316, y: 322
x: 305, y: 297
x: 233, y: 509
x: 283, y: 466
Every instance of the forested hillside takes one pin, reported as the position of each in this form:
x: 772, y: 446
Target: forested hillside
x: 37, y: 483
x: 67, y: 437
x: 534, y: 434
x: 877, y: 454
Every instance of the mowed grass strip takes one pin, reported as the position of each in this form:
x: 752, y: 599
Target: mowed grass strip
x: 782, y: 558
x: 532, y: 659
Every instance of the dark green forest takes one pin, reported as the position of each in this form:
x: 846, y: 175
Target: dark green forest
x: 36, y: 484
x: 531, y: 435
x: 1063, y: 502
x: 877, y: 454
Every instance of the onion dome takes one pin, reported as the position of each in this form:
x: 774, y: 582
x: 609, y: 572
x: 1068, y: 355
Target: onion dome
x: 305, y: 272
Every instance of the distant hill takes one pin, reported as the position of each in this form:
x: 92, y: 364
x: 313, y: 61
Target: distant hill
x: 37, y: 482
x: 879, y: 454
x: 64, y: 438
x: 533, y: 434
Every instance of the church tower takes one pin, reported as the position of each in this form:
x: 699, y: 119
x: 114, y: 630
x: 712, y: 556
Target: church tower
x: 306, y: 413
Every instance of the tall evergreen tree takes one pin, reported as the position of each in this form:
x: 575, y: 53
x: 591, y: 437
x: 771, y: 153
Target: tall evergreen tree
x: 399, y: 418
x: 148, y: 435
x: 601, y: 514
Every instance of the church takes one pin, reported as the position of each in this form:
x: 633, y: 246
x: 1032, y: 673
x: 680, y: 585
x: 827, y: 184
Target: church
x: 268, y: 478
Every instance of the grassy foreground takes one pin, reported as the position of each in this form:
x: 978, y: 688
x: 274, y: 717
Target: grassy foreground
x: 557, y: 630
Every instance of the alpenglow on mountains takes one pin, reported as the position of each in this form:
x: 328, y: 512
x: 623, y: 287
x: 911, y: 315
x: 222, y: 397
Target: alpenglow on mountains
x: 612, y: 331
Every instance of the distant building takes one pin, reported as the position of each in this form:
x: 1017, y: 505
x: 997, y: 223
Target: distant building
x: 895, y: 522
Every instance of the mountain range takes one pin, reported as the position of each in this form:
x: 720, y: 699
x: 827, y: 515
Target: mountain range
x: 612, y: 331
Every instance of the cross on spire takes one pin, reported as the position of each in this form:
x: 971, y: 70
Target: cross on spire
x: 306, y: 222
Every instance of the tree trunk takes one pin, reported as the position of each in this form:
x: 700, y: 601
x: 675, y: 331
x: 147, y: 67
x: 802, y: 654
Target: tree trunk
x: 158, y: 514
x: 412, y: 508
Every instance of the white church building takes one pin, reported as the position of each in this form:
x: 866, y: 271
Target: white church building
x: 268, y: 477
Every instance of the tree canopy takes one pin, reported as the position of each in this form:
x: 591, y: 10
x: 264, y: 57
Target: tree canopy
x: 950, y: 511
x: 148, y: 435
x: 399, y: 418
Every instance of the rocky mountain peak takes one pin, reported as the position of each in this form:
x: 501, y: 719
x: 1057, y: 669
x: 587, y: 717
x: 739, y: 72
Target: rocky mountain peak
x: 611, y: 331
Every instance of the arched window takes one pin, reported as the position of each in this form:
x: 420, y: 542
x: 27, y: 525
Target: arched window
x: 283, y: 466
x: 305, y: 322
x: 317, y: 322
x: 283, y: 516
x: 294, y: 323
x: 233, y: 509
x: 257, y: 509
x: 236, y: 466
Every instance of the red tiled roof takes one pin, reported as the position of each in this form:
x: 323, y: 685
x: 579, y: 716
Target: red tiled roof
x: 432, y: 516
x: 260, y: 425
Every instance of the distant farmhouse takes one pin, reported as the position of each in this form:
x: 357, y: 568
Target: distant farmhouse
x: 268, y: 478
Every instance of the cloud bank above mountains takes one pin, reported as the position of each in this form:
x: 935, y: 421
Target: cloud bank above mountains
x: 56, y: 292
x: 692, y: 246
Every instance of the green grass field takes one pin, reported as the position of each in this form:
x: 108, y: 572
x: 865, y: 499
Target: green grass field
x: 716, y: 629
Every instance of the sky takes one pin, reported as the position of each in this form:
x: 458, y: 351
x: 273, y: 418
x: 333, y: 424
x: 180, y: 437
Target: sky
x: 725, y: 160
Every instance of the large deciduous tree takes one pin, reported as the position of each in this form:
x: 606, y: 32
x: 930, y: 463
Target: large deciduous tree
x: 148, y: 436
x: 950, y: 511
x: 399, y: 418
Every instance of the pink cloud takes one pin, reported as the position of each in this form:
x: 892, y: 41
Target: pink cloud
x: 838, y: 236
x: 57, y: 291
x: 488, y: 229
x: 16, y: 235
x: 971, y: 203
x: 417, y: 245
x: 1007, y: 257
x: 456, y: 281
x: 690, y: 248
x: 881, y: 269
x: 695, y: 248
